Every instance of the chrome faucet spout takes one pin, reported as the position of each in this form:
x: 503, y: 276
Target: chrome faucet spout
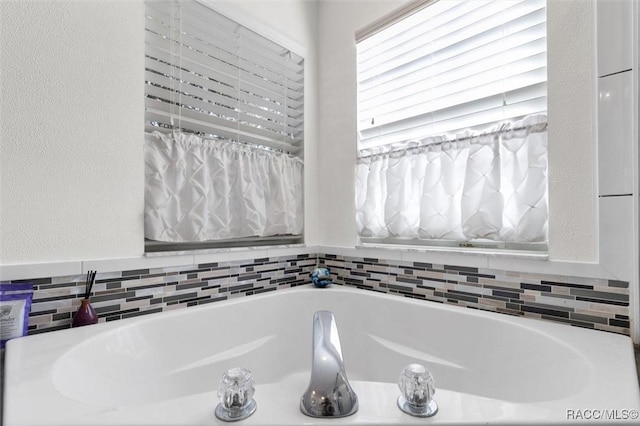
x: 329, y: 393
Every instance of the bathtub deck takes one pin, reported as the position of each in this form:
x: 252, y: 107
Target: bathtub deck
x: 59, y: 358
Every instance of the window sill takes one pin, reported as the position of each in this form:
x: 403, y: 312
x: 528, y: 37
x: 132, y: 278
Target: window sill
x: 470, y: 251
x: 245, y: 249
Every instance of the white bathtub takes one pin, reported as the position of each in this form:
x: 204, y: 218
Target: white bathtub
x: 164, y: 369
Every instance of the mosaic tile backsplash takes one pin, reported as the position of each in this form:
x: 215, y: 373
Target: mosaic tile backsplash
x: 126, y: 294
x: 585, y: 302
x: 578, y: 301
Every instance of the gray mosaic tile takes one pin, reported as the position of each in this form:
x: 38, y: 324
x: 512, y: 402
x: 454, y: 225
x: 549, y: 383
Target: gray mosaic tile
x: 578, y: 301
x: 549, y: 297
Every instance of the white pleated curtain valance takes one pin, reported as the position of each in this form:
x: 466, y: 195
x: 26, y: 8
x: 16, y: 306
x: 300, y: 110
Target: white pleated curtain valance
x: 490, y: 186
x: 206, y: 190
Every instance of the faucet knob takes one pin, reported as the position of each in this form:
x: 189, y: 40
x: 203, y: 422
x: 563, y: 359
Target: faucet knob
x: 236, y: 395
x: 416, y: 391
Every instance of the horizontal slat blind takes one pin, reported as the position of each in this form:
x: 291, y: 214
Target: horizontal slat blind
x: 451, y: 66
x: 209, y: 75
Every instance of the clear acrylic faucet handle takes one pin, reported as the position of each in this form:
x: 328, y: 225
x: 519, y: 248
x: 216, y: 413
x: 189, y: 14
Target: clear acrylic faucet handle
x: 236, y: 395
x: 416, y: 391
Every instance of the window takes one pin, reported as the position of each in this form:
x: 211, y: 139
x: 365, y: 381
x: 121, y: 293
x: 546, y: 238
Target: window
x: 452, y: 126
x: 224, y: 131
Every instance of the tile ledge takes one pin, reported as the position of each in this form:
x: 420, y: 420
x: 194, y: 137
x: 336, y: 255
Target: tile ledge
x: 545, y: 264
x: 9, y: 272
x: 222, y: 250
x: 35, y: 270
x: 518, y: 254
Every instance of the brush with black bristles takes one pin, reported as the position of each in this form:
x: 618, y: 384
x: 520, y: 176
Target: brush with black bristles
x: 91, y: 279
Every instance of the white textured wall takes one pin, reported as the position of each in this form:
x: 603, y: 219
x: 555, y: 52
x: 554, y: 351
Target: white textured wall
x: 571, y: 114
x: 571, y: 77
x: 71, y: 111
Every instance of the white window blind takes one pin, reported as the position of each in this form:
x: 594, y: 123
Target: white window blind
x: 209, y: 75
x: 451, y: 66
